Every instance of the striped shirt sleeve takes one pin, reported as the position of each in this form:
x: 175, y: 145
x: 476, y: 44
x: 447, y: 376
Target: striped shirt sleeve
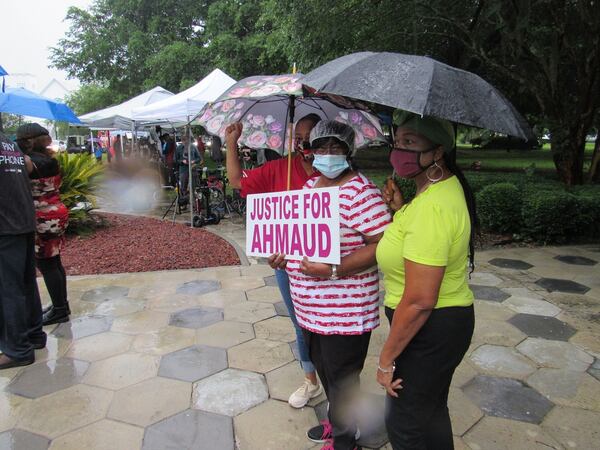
x: 369, y: 214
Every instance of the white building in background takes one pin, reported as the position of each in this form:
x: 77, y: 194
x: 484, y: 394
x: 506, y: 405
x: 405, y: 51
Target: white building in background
x: 55, y: 90
x: 22, y: 80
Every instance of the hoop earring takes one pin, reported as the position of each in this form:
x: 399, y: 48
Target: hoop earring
x: 435, y: 166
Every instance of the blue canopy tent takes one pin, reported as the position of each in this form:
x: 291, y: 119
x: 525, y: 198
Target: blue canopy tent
x: 2, y: 73
x: 26, y: 103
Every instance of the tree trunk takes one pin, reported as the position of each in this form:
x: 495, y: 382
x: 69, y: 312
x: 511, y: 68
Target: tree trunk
x: 594, y: 173
x: 568, y: 147
x: 1, y: 125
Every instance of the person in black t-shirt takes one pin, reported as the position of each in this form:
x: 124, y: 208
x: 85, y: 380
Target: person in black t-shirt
x: 20, y: 307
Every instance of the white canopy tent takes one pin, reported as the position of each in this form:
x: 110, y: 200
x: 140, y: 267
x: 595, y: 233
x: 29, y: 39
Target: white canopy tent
x: 181, y: 108
x: 120, y: 116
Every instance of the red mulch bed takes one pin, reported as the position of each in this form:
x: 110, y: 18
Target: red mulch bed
x: 140, y: 244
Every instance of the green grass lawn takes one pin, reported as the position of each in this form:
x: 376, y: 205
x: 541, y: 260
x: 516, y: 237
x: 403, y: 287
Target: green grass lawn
x: 491, y: 160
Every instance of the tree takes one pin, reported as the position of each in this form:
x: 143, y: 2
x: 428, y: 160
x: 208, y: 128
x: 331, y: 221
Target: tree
x: 10, y: 123
x: 548, y: 51
x: 92, y: 97
x: 113, y: 43
x: 239, y: 34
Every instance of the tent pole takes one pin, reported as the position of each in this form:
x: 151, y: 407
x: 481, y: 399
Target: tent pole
x: 92, y: 141
x: 121, y: 141
x: 189, y: 158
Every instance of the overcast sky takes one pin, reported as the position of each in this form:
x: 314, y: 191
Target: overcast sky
x: 29, y: 28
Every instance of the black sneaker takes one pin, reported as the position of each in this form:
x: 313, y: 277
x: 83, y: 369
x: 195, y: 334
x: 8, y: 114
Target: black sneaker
x: 38, y: 345
x: 55, y: 315
x: 321, y: 433
x: 9, y: 363
x: 45, y: 309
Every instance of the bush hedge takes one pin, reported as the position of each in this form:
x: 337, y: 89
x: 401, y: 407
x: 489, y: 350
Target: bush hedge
x: 533, y: 207
x: 543, y: 213
x: 499, y: 207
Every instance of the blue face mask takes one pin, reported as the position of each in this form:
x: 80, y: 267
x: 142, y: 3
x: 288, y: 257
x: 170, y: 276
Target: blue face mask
x: 331, y: 166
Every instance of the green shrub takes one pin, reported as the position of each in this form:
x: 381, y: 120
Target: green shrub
x: 407, y: 187
x: 499, y: 207
x: 552, y: 217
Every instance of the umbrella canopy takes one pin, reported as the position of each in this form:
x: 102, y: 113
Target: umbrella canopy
x: 3, y: 72
x: 26, y: 103
x: 121, y: 115
x: 263, y: 104
x: 179, y: 108
x: 420, y: 85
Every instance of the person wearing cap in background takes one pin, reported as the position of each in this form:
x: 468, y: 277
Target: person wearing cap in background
x: 272, y: 177
x: 20, y: 308
x: 424, y: 256
x: 338, y: 306
x: 52, y: 218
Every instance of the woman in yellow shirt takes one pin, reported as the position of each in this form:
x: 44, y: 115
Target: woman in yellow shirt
x: 424, y: 256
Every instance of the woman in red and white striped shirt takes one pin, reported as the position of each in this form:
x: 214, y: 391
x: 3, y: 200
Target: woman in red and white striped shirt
x: 338, y: 306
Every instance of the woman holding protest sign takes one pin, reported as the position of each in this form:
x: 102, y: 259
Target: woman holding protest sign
x: 337, y: 306
x: 272, y: 177
x: 424, y: 256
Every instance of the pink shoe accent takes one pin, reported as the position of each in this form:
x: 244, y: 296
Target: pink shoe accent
x: 327, y: 431
x: 328, y: 445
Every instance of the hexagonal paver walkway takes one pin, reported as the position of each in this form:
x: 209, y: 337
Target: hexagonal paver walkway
x: 507, y: 263
x: 206, y: 359
x: 193, y: 363
x: 197, y: 317
x: 490, y: 293
x: 568, y: 286
x: 543, y: 327
x: 510, y: 399
x: 576, y: 260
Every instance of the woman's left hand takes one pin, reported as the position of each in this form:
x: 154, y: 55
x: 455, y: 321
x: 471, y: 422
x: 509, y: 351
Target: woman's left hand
x: 390, y: 385
x: 319, y: 270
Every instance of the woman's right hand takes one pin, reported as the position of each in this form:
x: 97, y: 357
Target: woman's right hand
x: 277, y: 261
x: 392, y: 195
x: 232, y: 134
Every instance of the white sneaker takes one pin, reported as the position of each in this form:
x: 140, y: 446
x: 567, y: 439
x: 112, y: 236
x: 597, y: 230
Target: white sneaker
x: 304, y: 393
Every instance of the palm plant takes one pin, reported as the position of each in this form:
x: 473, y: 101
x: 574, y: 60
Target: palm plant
x: 81, y: 176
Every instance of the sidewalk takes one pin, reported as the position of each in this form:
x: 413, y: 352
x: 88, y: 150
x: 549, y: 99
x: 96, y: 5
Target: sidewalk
x: 204, y: 359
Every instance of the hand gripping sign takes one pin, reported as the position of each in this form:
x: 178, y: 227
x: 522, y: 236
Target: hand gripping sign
x: 296, y: 223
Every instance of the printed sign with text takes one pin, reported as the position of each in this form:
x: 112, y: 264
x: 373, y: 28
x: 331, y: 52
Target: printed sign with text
x: 297, y: 223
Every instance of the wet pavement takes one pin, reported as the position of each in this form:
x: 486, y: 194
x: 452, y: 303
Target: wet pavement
x: 205, y: 359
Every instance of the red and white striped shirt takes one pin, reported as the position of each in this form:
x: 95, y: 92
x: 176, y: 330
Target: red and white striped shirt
x: 349, y: 305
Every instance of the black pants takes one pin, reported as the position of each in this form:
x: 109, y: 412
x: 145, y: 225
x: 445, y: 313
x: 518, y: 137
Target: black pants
x: 418, y: 418
x: 20, y: 307
x: 55, y: 278
x: 339, y: 359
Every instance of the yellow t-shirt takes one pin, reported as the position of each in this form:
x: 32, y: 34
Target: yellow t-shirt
x: 433, y: 229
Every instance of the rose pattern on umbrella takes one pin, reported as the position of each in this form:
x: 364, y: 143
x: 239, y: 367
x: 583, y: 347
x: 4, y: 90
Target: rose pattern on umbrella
x: 363, y: 129
x: 257, y: 139
x: 215, y: 123
x: 228, y: 105
x: 264, y: 130
x: 274, y: 141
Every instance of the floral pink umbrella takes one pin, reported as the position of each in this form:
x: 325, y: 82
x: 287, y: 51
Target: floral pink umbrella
x: 266, y: 105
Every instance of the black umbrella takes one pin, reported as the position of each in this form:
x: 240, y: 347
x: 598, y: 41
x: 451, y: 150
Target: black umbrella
x: 420, y: 85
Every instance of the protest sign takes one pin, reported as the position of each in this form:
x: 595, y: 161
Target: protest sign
x: 296, y: 223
